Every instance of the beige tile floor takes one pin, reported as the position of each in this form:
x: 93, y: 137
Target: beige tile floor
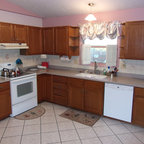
x: 53, y: 129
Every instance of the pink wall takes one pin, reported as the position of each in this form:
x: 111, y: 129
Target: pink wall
x: 122, y: 15
x: 7, y: 6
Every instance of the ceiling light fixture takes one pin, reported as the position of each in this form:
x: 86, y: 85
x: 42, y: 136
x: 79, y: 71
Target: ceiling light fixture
x: 90, y: 17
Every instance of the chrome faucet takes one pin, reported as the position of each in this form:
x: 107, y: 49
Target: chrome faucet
x: 95, y: 66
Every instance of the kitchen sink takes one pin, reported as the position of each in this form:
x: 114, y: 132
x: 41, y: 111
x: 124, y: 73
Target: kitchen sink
x: 92, y: 76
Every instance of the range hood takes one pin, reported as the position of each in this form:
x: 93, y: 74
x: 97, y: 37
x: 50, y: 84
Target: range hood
x: 13, y: 46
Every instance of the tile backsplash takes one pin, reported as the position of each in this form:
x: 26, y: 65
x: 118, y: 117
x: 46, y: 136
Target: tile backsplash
x: 125, y: 66
x: 7, y: 56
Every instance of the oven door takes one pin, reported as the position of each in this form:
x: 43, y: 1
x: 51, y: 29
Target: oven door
x: 23, y: 89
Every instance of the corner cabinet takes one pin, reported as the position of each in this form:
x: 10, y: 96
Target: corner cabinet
x: 61, y: 40
x: 34, y: 42
x: 132, y: 42
x: 44, y: 87
x: 48, y: 40
x: 5, y: 100
x: 138, y: 107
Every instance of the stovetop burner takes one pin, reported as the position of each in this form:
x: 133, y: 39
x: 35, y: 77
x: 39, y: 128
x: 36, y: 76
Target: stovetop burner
x: 22, y: 75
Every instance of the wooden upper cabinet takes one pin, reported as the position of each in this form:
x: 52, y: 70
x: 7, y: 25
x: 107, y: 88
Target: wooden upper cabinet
x: 34, y: 41
x: 138, y: 106
x: 133, y: 41
x: 61, y: 40
x: 12, y: 33
x: 94, y: 97
x: 6, y: 33
x: 20, y: 33
x: 48, y: 40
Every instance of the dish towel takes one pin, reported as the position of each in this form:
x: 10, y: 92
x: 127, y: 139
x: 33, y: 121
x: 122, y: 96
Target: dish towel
x: 111, y: 55
x: 86, y: 56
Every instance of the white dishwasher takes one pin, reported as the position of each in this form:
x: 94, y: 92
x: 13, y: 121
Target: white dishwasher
x: 118, y: 100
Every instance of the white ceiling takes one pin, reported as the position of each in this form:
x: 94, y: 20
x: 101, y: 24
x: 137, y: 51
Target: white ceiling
x: 54, y: 8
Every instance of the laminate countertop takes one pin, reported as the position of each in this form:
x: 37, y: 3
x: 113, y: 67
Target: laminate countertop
x: 136, y: 82
x: 3, y: 79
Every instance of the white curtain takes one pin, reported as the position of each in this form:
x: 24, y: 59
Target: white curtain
x: 100, y: 30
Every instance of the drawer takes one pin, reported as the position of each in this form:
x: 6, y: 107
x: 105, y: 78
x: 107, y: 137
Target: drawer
x: 93, y: 84
x: 139, y: 92
x: 61, y: 86
x: 60, y: 92
x: 76, y: 82
x: 60, y: 100
x: 59, y: 79
x: 4, y: 86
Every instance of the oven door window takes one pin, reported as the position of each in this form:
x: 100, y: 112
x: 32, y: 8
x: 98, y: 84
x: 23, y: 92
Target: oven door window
x: 24, y: 89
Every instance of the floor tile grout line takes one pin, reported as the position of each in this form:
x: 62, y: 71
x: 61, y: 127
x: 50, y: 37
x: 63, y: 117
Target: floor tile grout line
x: 22, y: 133
x: 57, y: 123
x: 97, y: 135
x: 4, y: 130
x: 77, y: 132
x: 137, y: 138
x: 113, y: 132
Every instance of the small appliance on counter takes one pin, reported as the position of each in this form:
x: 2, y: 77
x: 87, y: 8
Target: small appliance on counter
x: 45, y: 64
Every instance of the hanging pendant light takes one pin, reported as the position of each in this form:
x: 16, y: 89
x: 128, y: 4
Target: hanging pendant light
x: 90, y: 17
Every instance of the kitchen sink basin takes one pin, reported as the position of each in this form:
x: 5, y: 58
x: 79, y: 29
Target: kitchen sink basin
x: 92, y: 76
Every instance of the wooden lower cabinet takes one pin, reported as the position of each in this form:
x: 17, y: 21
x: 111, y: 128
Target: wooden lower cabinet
x: 60, y: 90
x: 76, y: 93
x: 138, y: 107
x: 44, y: 87
x: 94, y: 97
x: 5, y: 100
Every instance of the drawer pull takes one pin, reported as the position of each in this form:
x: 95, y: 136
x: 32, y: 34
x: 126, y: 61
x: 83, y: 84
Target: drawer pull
x: 1, y: 87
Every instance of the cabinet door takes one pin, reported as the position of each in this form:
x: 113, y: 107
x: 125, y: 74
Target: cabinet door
x: 94, y: 97
x: 21, y: 33
x: 138, y: 107
x: 134, y: 40
x: 48, y: 38
x: 6, y: 33
x: 76, y: 93
x: 48, y: 81
x: 44, y: 87
x: 61, y: 40
x: 5, y: 100
x: 60, y: 90
x: 41, y: 91
x: 35, y: 41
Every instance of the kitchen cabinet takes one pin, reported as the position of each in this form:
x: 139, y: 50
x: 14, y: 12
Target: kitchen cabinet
x: 5, y: 100
x: 13, y: 33
x: 132, y: 43
x: 76, y: 93
x: 61, y: 40
x: 20, y: 33
x: 60, y: 90
x: 48, y: 40
x: 138, y: 107
x: 94, y: 97
x: 44, y: 87
x: 34, y: 42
